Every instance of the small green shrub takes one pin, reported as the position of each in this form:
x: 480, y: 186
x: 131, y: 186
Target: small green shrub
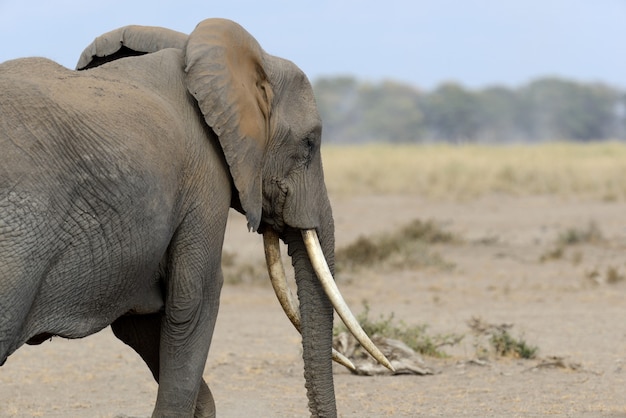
x: 506, y: 346
x: 415, y: 336
x: 500, y: 342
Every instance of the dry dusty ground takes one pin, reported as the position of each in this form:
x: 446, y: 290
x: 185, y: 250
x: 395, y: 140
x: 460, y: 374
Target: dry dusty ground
x: 255, y: 369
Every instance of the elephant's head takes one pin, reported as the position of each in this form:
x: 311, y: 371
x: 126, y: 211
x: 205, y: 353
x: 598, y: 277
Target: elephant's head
x: 263, y: 111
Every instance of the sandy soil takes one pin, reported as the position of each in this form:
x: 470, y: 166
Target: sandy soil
x: 255, y: 368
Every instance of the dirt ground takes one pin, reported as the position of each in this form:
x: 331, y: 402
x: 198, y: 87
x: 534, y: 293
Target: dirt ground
x: 569, y: 306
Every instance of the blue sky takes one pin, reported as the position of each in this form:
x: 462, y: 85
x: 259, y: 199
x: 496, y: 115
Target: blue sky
x: 420, y: 42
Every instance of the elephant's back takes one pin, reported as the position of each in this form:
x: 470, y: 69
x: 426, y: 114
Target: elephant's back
x: 29, y: 68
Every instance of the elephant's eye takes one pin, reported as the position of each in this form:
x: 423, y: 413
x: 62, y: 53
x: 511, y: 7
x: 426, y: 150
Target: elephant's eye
x: 309, y: 149
x: 310, y: 144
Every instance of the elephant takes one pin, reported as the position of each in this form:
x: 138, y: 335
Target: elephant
x: 116, y: 180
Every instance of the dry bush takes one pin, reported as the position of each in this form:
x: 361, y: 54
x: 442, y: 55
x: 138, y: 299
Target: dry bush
x: 591, y: 234
x: 612, y: 276
x: 594, y: 170
x: 404, y: 248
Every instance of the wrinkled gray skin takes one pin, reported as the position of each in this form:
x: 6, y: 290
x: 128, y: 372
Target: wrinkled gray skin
x: 115, y: 185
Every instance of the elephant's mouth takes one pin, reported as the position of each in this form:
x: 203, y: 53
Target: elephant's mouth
x: 274, y: 200
x: 289, y: 305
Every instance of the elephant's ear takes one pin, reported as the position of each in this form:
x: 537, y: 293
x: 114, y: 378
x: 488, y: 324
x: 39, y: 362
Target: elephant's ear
x: 226, y: 74
x: 129, y: 41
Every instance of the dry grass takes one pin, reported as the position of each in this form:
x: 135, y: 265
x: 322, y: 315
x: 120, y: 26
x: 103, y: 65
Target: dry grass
x: 594, y: 170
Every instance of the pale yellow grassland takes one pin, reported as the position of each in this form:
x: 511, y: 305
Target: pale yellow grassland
x: 593, y: 170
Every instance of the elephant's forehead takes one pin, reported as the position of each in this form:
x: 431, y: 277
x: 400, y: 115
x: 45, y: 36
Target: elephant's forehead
x: 292, y: 90
x: 299, y: 112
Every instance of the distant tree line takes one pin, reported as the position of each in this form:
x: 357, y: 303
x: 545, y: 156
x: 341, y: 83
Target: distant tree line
x: 544, y: 109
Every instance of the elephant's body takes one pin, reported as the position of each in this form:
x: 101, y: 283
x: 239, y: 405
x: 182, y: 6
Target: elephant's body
x: 115, y: 187
x: 91, y: 214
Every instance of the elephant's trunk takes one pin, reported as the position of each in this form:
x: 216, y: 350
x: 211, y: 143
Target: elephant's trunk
x: 316, y: 324
x: 313, y: 262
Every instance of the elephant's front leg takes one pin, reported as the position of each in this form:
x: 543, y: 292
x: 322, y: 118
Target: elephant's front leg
x: 194, y: 282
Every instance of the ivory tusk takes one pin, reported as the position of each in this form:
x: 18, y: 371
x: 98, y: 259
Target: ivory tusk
x: 283, y: 293
x: 318, y: 261
x: 278, y: 278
